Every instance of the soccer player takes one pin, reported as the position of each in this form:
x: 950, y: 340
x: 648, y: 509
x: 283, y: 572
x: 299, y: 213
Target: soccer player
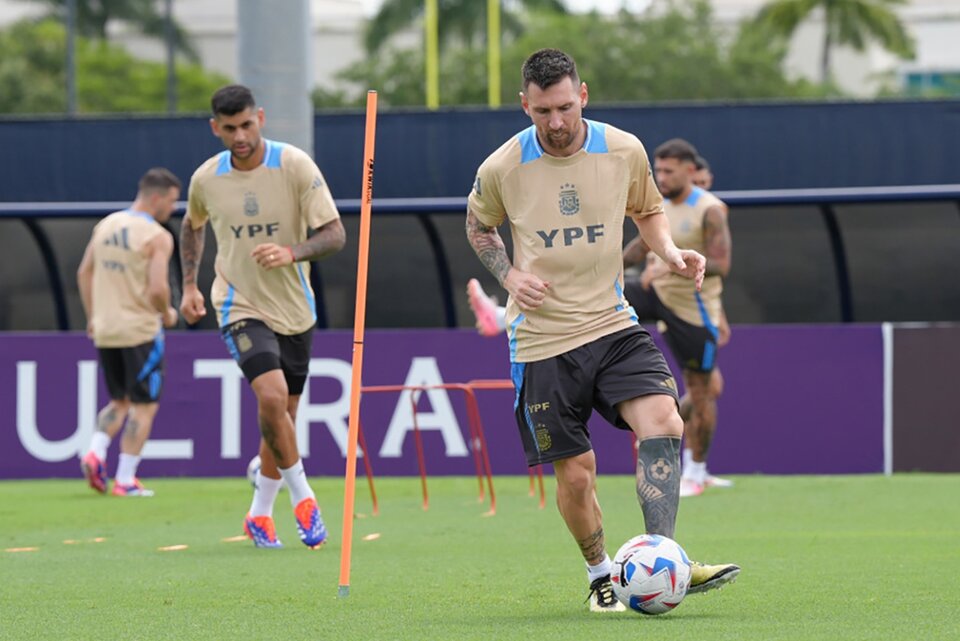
x: 691, y: 318
x: 565, y: 185
x: 125, y: 292
x: 261, y: 198
x: 491, y: 320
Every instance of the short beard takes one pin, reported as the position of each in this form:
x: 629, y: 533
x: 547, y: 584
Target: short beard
x: 673, y: 194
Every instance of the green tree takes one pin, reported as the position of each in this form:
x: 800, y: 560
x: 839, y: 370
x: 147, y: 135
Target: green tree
x: 672, y: 52
x: 852, y: 23
x: 109, y: 80
x: 464, y: 21
x: 144, y: 15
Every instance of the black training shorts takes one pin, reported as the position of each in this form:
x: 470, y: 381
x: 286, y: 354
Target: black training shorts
x: 694, y: 347
x: 134, y: 373
x: 258, y: 349
x: 557, y: 395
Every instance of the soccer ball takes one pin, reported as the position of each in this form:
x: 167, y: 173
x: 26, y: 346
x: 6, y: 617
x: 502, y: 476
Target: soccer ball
x: 650, y: 574
x: 253, y: 468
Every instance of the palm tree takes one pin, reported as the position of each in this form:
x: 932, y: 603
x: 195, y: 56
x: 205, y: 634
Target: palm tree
x: 464, y: 20
x: 146, y: 16
x: 846, y: 22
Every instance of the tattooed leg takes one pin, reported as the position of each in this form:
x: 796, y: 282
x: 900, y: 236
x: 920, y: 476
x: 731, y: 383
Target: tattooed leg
x: 111, y: 417
x: 592, y: 547
x: 658, y: 483
x: 138, y: 427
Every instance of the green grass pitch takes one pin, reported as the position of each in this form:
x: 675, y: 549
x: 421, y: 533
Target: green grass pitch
x: 833, y: 558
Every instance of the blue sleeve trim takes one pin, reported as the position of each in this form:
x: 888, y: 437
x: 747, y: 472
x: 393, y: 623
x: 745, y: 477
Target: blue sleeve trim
x: 530, y: 148
x: 223, y: 163
x: 596, y: 141
x: 694, y: 196
x: 274, y: 151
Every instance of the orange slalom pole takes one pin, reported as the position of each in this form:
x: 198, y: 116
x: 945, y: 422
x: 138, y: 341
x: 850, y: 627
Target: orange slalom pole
x: 359, y: 322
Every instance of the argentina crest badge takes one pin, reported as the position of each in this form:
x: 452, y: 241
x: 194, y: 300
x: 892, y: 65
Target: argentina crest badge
x: 569, y: 200
x: 250, y: 205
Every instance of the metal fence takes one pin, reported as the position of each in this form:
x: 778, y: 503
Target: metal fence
x: 804, y: 255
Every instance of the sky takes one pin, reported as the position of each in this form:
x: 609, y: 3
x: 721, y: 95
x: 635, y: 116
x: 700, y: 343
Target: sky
x: 605, y: 6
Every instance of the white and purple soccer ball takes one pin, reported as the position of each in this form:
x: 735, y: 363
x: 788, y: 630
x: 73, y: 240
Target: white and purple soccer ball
x: 253, y: 468
x: 651, y: 574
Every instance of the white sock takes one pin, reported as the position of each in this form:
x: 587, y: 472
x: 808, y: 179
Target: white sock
x: 501, y: 317
x: 127, y: 468
x: 264, y: 495
x: 99, y: 444
x: 296, y: 479
x: 697, y: 472
x: 594, y: 572
x: 687, y: 459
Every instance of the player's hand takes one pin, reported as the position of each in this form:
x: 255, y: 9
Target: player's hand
x: 527, y: 290
x: 191, y: 306
x: 170, y: 317
x: 90, y: 328
x: 271, y: 255
x: 687, y: 263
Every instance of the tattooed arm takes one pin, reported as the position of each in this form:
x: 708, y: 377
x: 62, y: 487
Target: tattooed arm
x: 325, y: 240
x: 635, y: 253
x: 526, y: 289
x: 716, y: 241
x: 191, y: 250
x: 489, y: 247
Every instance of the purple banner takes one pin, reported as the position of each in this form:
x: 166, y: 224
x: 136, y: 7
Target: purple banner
x: 797, y: 400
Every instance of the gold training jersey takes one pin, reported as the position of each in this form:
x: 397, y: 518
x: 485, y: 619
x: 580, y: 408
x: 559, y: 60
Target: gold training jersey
x: 566, y: 220
x: 277, y: 202
x: 122, y: 313
x: 678, y: 293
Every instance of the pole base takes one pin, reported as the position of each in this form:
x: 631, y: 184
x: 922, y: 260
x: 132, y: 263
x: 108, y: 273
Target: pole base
x: 343, y: 592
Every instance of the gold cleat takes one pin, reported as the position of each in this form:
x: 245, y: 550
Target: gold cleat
x: 708, y: 577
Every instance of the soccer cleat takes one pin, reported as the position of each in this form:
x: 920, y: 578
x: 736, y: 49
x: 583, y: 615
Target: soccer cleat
x: 689, y: 487
x: 261, y: 531
x: 708, y: 577
x: 309, y: 523
x: 484, y: 309
x: 716, y: 481
x: 134, y: 489
x: 602, y: 598
x: 95, y: 471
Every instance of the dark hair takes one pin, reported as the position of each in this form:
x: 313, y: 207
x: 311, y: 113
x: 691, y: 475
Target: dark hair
x: 547, y: 67
x: 231, y: 100
x: 677, y: 148
x: 158, y: 179
x: 701, y: 163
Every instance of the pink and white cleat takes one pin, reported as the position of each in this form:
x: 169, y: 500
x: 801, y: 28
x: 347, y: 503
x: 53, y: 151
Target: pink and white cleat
x: 484, y: 308
x: 134, y: 489
x: 716, y: 481
x: 95, y: 471
x: 689, y: 487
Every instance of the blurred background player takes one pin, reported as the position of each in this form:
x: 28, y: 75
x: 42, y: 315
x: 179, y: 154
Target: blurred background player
x: 690, y: 319
x: 261, y: 198
x: 575, y: 344
x: 124, y: 287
